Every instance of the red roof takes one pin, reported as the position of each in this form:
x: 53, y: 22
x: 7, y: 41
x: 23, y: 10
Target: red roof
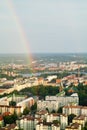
x: 6, y: 113
x: 2, y: 90
x: 58, y: 80
x: 1, y: 117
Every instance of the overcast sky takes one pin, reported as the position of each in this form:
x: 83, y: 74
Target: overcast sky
x: 48, y: 26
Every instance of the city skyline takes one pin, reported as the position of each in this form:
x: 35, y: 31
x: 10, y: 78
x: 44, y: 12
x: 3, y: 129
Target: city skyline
x: 43, y: 26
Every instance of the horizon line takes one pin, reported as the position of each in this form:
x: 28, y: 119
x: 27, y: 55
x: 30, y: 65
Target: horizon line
x: 47, y: 53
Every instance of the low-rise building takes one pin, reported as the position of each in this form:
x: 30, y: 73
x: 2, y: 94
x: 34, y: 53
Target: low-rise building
x: 10, y: 127
x: 40, y: 81
x: 61, y: 118
x: 28, y: 122
x: 47, y: 126
x: 49, y: 78
x: 77, y: 110
x: 72, y: 110
x: 41, y: 114
x: 11, y: 109
x: 80, y: 120
x: 84, y: 110
x: 73, y: 126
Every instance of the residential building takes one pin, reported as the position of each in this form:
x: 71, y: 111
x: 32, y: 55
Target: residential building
x: 64, y: 100
x: 84, y: 111
x: 26, y: 103
x: 41, y: 114
x: 40, y: 81
x: 47, y: 126
x: 10, y: 127
x: 28, y: 122
x: 73, y: 126
x: 11, y: 109
x: 72, y: 110
x: 50, y: 105
x: 61, y: 118
x: 80, y: 120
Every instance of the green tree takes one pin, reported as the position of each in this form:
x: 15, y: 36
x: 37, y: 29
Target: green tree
x: 26, y: 111
x: 56, y: 122
x: 60, y: 110
x: 47, y: 109
x: 34, y: 107
x: 14, y: 116
x: 12, y: 103
x: 53, y: 111
x: 10, y: 119
x: 70, y: 118
x: 85, y: 128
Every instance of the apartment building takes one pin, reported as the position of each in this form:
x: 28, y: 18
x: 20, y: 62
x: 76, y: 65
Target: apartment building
x: 11, y: 109
x: 80, y: 120
x: 26, y: 103
x: 77, y: 110
x: 73, y: 126
x: 41, y: 114
x: 64, y: 100
x: 28, y: 122
x: 72, y: 110
x: 47, y: 126
x: 61, y: 118
x: 50, y: 105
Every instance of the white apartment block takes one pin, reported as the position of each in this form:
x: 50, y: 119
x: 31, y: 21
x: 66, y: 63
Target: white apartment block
x: 7, y: 99
x: 64, y: 100
x: 49, y: 78
x: 11, y: 109
x: 16, y: 98
x: 77, y: 110
x: 80, y: 120
x: 73, y: 126
x: 72, y: 110
x: 47, y: 126
x: 26, y: 103
x: 28, y: 122
x: 21, y: 101
x: 54, y: 102
x: 51, y: 105
x: 41, y: 114
x: 4, y: 101
x: 84, y: 111
x: 63, y: 119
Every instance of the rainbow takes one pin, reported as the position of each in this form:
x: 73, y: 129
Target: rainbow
x: 22, y: 34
